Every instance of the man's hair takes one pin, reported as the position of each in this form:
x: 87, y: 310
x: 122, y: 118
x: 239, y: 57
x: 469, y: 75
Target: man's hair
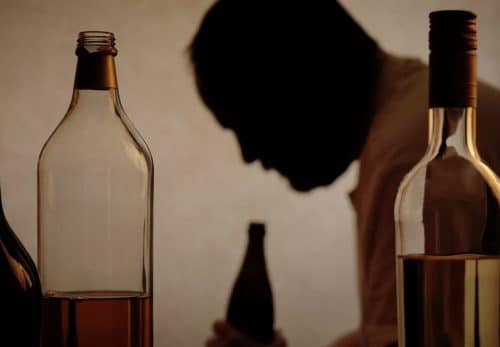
x: 294, y: 80
x: 259, y: 55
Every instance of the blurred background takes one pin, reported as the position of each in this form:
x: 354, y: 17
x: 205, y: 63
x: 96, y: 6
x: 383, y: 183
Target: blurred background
x: 204, y: 194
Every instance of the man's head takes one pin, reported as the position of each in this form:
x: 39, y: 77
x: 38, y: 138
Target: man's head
x: 293, y: 79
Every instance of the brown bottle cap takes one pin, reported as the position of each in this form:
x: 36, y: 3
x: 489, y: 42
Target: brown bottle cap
x: 452, y: 31
x: 452, y: 59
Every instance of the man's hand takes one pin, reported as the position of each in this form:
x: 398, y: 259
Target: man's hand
x: 227, y: 336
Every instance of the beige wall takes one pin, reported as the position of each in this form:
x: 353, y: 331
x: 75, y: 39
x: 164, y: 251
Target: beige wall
x: 204, y: 194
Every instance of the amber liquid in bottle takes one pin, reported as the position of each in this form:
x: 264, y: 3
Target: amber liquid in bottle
x: 451, y: 300
x: 250, y: 307
x: 20, y: 291
x: 97, y: 320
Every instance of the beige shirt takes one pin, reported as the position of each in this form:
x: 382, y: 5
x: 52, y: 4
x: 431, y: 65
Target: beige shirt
x: 396, y: 141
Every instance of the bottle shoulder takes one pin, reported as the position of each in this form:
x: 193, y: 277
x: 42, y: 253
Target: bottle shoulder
x: 447, y: 191
x: 448, y: 166
x: 98, y: 136
x: 137, y: 137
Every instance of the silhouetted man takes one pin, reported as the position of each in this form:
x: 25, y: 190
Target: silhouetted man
x: 307, y: 92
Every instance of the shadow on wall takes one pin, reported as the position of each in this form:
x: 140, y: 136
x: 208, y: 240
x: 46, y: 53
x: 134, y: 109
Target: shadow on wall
x: 293, y: 81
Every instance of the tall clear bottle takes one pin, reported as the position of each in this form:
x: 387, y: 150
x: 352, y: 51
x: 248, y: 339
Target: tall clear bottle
x: 447, y: 209
x: 95, y: 196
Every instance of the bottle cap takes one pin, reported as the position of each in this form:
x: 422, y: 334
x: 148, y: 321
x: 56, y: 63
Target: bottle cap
x: 257, y: 229
x: 452, y: 59
x: 452, y: 31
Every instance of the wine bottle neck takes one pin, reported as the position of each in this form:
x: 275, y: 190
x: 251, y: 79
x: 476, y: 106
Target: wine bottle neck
x: 255, y: 247
x: 453, y: 82
x: 452, y: 79
x: 453, y: 127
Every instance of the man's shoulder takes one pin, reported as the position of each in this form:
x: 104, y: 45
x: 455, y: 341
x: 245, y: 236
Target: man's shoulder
x: 399, y: 127
x: 488, y: 100
x: 399, y: 131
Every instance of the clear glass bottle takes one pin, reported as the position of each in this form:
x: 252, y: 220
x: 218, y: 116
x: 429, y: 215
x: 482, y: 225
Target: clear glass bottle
x: 20, y: 292
x: 447, y: 209
x: 251, y: 308
x: 95, y: 200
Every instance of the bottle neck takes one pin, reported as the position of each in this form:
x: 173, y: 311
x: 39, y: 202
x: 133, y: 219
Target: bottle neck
x: 91, y: 102
x: 96, y: 85
x: 453, y: 127
x: 95, y: 71
x: 255, y: 247
x: 453, y: 87
x: 453, y: 82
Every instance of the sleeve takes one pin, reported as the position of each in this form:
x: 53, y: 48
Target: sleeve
x: 379, y: 286
x: 352, y: 339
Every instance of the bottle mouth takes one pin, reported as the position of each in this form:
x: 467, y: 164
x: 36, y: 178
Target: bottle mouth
x: 94, y: 41
x: 257, y: 229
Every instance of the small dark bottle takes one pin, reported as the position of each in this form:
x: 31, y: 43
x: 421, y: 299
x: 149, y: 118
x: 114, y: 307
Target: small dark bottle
x: 20, y: 292
x: 250, y: 307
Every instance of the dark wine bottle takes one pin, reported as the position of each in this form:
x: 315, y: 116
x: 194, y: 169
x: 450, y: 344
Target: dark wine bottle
x: 20, y: 291
x: 250, y: 307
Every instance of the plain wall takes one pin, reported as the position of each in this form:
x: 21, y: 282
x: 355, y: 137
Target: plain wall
x: 204, y: 194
